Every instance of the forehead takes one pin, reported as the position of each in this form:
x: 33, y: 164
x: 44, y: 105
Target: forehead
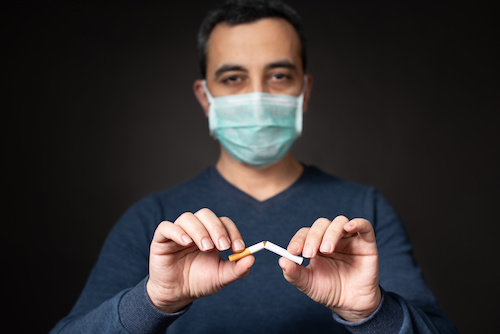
x: 253, y: 44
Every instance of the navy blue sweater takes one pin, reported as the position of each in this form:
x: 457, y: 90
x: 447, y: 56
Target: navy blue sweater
x: 114, y: 299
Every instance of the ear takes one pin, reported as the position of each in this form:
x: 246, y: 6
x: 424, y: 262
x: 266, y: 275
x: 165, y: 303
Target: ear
x: 201, y: 96
x: 307, y: 93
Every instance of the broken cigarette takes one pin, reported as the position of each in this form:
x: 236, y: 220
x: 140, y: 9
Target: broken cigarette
x: 270, y: 247
x: 283, y: 252
x: 249, y: 250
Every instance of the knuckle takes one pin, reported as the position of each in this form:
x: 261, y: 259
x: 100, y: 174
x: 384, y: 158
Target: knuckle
x: 301, y: 235
x: 212, y: 223
x: 184, y: 217
x: 322, y: 222
x: 314, y: 238
x: 229, y: 224
x: 318, y: 229
x: 204, y: 213
x: 340, y: 221
x: 164, y: 222
x: 304, y: 230
x: 225, y: 220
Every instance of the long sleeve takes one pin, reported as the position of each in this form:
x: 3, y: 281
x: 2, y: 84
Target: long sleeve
x: 114, y: 299
x: 408, y: 305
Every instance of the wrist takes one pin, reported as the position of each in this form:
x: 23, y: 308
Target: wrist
x: 361, y: 314
x: 156, y: 296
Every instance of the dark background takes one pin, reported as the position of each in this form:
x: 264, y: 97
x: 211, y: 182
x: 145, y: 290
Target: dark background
x: 98, y: 111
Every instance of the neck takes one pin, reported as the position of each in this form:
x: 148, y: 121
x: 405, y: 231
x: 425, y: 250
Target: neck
x: 263, y: 183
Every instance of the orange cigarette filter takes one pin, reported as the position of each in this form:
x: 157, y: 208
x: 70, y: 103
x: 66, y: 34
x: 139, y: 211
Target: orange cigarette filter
x: 249, y: 250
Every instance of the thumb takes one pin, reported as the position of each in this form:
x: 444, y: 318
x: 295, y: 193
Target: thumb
x: 233, y: 271
x: 294, y: 273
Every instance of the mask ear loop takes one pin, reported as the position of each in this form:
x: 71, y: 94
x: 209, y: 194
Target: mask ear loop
x: 212, y: 120
x: 299, y: 113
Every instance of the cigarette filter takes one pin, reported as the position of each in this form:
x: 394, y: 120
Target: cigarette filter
x: 249, y: 250
x: 283, y: 252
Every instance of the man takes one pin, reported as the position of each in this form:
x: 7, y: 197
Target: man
x: 254, y: 93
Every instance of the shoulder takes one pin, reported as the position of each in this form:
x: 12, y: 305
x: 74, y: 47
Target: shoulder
x: 189, y: 189
x: 169, y: 203
x: 323, y: 181
x: 336, y: 195
x: 138, y: 223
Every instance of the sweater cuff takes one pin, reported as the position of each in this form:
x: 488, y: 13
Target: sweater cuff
x: 387, y: 318
x: 139, y: 315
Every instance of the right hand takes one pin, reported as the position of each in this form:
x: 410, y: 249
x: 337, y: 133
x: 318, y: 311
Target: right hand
x: 184, y: 262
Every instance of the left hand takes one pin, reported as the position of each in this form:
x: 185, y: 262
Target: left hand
x: 343, y: 272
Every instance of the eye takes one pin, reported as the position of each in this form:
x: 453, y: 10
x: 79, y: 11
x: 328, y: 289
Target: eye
x: 280, y: 77
x: 232, y: 79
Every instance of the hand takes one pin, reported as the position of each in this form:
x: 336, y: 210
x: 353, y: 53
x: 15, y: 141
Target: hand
x: 184, y: 263
x: 343, y: 272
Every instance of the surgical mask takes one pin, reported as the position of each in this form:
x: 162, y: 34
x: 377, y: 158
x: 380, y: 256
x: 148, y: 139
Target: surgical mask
x: 257, y: 129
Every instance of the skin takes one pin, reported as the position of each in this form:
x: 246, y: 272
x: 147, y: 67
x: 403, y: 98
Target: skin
x: 262, y: 56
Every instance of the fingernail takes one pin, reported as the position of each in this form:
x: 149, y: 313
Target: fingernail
x: 186, y: 239
x: 326, y: 247
x: 308, y: 251
x: 238, y: 244
x: 206, y: 244
x: 224, y: 243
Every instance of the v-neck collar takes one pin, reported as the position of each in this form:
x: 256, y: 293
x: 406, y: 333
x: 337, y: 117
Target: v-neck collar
x: 259, y: 205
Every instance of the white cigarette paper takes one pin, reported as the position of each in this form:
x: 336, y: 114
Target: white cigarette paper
x: 249, y: 250
x: 257, y: 247
x: 283, y: 252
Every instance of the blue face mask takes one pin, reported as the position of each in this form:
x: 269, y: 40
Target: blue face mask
x: 257, y: 129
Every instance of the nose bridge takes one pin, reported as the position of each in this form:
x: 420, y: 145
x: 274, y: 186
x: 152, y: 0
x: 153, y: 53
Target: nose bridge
x: 257, y: 76
x: 258, y: 85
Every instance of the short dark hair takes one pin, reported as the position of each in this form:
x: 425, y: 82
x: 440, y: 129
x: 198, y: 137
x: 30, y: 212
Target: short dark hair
x: 235, y: 12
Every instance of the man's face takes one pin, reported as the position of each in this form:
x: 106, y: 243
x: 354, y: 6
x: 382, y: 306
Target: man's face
x: 262, y: 56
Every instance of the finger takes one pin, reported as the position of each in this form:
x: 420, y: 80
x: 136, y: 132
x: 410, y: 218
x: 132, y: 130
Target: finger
x: 195, y: 230
x: 362, y: 227
x: 167, y: 233
x: 296, y: 245
x: 333, y: 234
x: 233, y: 271
x: 315, y: 237
x: 294, y: 273
x: 237, y: 244
x: 215, y: 227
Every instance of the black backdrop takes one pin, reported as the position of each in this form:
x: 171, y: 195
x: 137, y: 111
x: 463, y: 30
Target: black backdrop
x: 98, y: 111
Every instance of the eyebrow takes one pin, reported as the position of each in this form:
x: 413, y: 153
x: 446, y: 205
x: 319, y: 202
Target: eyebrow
x: 227, y: 68
x: 233, y: 67
x: 281, y: 64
